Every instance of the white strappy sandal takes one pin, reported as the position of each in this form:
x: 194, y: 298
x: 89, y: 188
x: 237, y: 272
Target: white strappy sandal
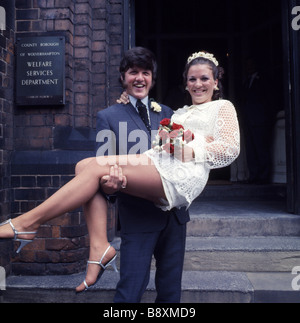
x: 23, y: 242
x: 111, y: 262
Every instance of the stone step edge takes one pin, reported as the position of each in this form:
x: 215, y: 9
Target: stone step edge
x: 192, y: 280
x: 206, y: 281
x: 250, y: 244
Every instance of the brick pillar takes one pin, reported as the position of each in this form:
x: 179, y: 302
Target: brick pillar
x: 6, y: 133
x: 49, y: 141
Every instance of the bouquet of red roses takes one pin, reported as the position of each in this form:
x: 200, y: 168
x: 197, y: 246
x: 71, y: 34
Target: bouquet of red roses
x: 171, y: 135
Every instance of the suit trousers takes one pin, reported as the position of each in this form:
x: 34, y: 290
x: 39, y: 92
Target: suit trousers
x: 168, y: 248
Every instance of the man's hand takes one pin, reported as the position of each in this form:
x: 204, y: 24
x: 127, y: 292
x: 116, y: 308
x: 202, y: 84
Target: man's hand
x: 113, y: 182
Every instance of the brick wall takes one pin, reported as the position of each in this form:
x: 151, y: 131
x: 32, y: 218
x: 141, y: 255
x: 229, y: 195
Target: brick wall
x: 93, y: 30
x: 49, y: 141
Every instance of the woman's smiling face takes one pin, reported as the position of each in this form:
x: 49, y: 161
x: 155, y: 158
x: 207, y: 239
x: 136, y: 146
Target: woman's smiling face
x: 201, y: 83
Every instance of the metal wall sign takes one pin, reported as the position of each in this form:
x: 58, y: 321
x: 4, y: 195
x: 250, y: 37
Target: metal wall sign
x: 40, y: 70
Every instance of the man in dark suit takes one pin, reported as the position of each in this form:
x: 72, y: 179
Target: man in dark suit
x: 145, y: 229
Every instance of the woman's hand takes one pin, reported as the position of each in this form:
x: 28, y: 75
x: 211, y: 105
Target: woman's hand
x: 113, y: 182
x: 124, y: 99
x: 184, y: 154
x: 209, y: 139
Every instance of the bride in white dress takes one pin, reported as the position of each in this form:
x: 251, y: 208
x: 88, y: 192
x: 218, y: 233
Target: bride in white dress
x: 216, y: 145
x: 169, y: 181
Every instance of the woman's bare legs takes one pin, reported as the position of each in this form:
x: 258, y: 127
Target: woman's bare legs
x: 143, y: 181
x: 74, y: 194
x: 97, y: 232
x: 96, y: 221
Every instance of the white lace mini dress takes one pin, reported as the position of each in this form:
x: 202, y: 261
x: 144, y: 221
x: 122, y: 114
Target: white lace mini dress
x: 216, y: 145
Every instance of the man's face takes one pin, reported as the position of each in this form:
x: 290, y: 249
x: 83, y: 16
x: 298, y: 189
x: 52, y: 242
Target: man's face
x: 138, y: 82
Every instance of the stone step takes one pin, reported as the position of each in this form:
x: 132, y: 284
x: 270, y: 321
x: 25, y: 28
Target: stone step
x: 244, y: 254
x: 242, y: 218
x: 235, y: 191
x: 197, y: 287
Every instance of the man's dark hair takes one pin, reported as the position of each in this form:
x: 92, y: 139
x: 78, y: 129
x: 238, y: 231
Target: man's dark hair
x: 138, y: 57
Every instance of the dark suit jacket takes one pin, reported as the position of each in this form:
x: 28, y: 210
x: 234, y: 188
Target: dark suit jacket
x: 135, y: 214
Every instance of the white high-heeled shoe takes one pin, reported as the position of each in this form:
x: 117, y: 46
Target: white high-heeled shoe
x: 23, y: 242
x: 111, y: 262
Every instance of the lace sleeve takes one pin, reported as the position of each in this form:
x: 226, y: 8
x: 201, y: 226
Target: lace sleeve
x: 224, y: 147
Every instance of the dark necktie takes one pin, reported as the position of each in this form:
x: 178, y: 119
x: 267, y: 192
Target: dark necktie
x: 143, y: 113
